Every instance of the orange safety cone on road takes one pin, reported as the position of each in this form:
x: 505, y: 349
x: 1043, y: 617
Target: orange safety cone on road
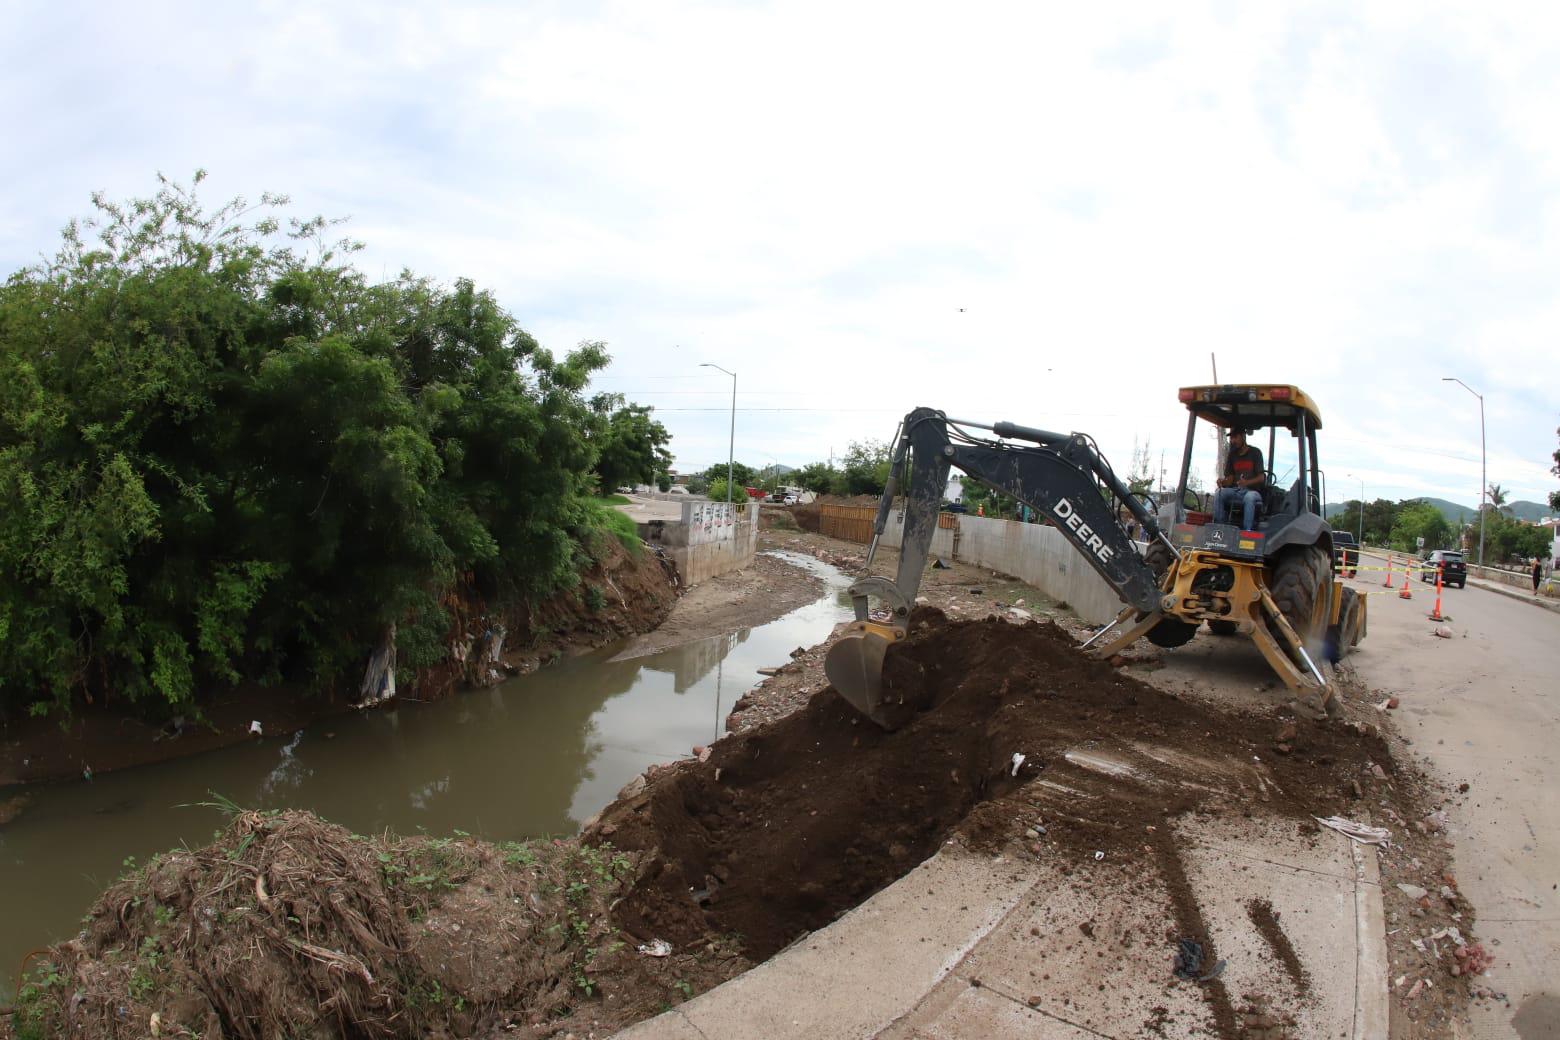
x: 1404, y: 593
x: 1388, y: 582
x: 1435, y: 615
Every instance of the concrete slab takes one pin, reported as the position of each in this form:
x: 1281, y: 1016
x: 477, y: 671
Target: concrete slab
x: 854, y: 978
x: 1310, y: 887
x: 965, y: 946
x: 982, y: 1012
x: 1086, y: 949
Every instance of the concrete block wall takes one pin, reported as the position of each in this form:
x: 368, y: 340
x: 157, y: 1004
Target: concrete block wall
x: 711, y: 538
x: 1036, y: 554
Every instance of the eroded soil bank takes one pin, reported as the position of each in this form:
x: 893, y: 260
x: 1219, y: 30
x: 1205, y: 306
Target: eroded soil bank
x: 622, y: 594
x: 777, y: 832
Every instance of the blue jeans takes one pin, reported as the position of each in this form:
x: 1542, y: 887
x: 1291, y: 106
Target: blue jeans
x: 1229, y: 497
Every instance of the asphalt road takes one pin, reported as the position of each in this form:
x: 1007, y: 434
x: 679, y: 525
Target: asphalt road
x: 1484, y: 708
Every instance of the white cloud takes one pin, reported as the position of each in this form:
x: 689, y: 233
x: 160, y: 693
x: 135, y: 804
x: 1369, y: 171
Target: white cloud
x: 1357, y: 200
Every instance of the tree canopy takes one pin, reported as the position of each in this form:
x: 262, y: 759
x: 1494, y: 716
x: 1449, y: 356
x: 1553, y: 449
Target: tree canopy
x: 631, y: 444
x: 226, y: 453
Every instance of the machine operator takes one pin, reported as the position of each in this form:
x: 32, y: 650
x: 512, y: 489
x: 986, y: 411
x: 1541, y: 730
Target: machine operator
x: 1241, y: 483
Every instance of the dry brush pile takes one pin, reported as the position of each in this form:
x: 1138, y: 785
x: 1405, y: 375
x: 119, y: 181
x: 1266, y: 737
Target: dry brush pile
x: 290, y: 926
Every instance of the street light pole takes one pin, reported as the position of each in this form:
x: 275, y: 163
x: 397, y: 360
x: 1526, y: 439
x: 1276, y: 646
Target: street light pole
x: 1484, y: 479
x: 731, y: 446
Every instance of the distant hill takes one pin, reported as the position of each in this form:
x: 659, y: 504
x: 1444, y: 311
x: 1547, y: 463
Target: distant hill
x: 1451, y: 510
x: 1532, y: 512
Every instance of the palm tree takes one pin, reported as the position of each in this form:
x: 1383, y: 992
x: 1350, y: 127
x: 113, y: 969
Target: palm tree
x: 1498, y: 498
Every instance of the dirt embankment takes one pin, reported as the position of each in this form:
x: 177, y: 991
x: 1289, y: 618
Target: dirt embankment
x: 780, y: 830
x: 621, y: 594
x: 766, y: 588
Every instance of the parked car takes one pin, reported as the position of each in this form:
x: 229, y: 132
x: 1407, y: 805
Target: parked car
x: 1346, y: 554
x: 1453, y: 568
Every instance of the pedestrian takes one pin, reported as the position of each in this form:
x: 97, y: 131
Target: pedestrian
x: 1538, y: 574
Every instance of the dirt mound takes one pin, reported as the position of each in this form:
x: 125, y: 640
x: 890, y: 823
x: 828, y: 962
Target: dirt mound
x: 786, y: 827
x: 288, y: 926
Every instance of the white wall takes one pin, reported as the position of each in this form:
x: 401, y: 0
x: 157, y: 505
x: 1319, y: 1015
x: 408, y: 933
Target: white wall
x: 1037, y: 554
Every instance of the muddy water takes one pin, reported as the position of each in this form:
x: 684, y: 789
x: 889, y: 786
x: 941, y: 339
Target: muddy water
x: 536, y: 755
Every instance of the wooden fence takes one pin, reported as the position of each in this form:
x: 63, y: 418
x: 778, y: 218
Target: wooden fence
x: 854, y: 523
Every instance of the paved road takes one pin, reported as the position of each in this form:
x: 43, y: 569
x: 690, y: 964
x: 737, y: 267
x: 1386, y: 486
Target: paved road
x: 642, y: 509
x: 1484, y: 708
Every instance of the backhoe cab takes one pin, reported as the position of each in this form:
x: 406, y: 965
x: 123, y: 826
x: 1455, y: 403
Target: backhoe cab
x: 1277, y: 575
x: 1272, y: 583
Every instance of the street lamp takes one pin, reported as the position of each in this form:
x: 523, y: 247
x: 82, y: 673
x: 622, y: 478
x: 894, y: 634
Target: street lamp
x: 1483, y: 459
x: 731, y: 447
x: 1362, y: 508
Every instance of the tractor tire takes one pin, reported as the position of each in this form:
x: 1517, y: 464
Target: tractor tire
x: 1223, y: 628
x: 1343, y: 637
x: 1299, y: 577
x: 1171, y: 632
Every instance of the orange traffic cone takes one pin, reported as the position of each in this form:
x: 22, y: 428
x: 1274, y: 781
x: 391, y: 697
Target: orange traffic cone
x: 1435, y: 615
x: 1404, y: 593
x: 1388, y: 582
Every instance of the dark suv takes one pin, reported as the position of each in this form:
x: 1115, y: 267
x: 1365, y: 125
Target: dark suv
x: 1346, y: 553
x: 1454, y: 570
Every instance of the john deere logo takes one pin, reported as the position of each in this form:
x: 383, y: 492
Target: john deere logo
x: 1216, y: 537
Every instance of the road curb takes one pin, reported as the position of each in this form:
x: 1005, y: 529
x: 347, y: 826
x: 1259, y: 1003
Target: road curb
x: 1371, y: 1013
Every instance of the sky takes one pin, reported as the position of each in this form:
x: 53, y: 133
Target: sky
x: 1050, y: 214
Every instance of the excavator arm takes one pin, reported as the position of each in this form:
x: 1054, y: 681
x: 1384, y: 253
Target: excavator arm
x: 1061, y: 476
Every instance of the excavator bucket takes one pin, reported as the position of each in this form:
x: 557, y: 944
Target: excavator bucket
x: 854, y: 665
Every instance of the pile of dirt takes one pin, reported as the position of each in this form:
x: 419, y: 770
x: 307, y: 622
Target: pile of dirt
x: 808, y: 516
x: 776, y: 518
x: 785, y: 827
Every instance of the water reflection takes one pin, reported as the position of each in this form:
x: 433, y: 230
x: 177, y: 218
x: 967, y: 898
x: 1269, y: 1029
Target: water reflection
x: 536, y: 755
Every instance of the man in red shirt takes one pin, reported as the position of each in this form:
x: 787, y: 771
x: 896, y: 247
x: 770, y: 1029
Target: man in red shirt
x: 1242, y: 482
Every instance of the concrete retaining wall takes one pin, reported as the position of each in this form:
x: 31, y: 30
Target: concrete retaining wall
x: 711, y: 538
x: 1037, y: 554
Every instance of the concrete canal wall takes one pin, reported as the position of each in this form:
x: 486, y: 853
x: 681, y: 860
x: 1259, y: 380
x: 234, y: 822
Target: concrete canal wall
x: 709, y: 538
x: 1037, y: 554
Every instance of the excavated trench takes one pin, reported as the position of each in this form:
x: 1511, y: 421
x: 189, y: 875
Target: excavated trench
x: 784, y: 829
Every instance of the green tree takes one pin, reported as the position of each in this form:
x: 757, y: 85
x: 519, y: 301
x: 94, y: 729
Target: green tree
x: 630, y: 443
x: 866, y: 468
x: 1380, y: 517
x: 226, y: 454
x: 816, y: 476
x: 1497, y: 496
x: 1417, y: 519
x: 1554, y: 496
x: 741, y: 475
x: 1509, y: 540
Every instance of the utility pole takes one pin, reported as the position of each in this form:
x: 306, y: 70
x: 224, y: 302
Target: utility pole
x: 1484, y: 478
x: 731, y: 447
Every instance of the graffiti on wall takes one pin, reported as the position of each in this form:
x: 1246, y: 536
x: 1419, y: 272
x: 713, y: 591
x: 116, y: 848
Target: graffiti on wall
x: 712, y: 517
